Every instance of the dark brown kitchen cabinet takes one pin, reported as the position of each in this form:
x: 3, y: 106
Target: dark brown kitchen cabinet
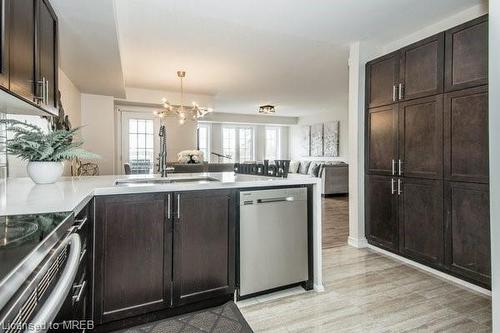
x: 421, y: 71
x: 466, y: 63
x: 133, y: 241
x: 204, y: 239
x: 29, y: 54
x: 421, y: 227
x: 382, y: 139
x: 421, y: 138
x: 4, y: 43
x: 22, y: 44
x: 466, y: 135
x: 382, y: 76
x: 46, y: 55
x: 382, y: 211
x: 468, y: 231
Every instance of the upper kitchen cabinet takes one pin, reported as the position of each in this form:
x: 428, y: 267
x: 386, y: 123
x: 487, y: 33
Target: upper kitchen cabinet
x: 467, y: 55
x: 22, y: 48
x: 46, y: 53
x: 466, y: 156
x: 4, y: 43
x: 382, y: 77
x: 421, y: 67
x: 29, y: 57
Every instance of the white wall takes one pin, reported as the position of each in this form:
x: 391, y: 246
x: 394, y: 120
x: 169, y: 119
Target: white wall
x: 99, y: 127
x: 494, y: 122
x: 295, y: 134
x: 360, y: 54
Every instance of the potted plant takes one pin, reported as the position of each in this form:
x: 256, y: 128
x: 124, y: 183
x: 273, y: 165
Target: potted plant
x: 45, y: 152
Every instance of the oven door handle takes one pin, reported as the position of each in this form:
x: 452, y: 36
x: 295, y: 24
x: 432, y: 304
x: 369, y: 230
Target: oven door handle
x: 58, y: 295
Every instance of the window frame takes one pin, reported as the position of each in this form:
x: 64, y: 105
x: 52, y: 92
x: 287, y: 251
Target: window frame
x: 209, y: 139
x: 237, y: 128
x: 277, y: 152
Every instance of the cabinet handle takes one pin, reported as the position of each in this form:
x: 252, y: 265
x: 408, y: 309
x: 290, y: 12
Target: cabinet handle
x: 392, y: 186
x: 393, y: 167
x: 178, y: 206
x: 47, y: 92
x: 394, y: 93
x: 400, y: 167
x: 80, y: 287
x: 169, y: 206
x: 400, y: 88
x: 399, y: 187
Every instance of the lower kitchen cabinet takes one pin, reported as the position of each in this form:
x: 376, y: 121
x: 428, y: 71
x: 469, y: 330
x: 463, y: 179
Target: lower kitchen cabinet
x: 204, y: 245
x: 381, y: 212
x: 421, y: 219
x: 468, y: 231
x: 133, y: 240
x: 158, y: 251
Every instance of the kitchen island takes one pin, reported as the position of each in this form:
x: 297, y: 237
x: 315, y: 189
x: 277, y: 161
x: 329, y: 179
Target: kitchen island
x: 161, y: 244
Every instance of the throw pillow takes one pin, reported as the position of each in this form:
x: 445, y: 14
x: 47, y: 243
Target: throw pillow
x: 294, y: 167
x: 304, y: 167
x: 313, y: 169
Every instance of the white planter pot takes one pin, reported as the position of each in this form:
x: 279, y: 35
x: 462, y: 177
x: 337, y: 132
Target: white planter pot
x: 45, y: 172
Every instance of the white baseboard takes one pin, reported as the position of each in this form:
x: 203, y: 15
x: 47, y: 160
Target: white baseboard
x: 357, y: 242
x: 319, y: 288
x: 433, y: 271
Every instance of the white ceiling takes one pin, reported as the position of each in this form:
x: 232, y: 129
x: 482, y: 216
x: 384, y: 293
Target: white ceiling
x: 245, y: 53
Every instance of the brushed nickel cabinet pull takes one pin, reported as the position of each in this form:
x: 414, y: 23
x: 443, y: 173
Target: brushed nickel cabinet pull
x: 393, y: 167
x: 392, y: 186
x: 399, y: 187
x: 400, y: 91
x: 400, y: 167
x: 169, y: 206
x: 178, y: 206
x: 394, y: 93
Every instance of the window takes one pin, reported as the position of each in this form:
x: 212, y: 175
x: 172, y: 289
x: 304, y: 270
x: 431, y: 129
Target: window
x: 229, y: 142
x: 238, y: 142
x: 204, y: 140
x: 141, y: 146
x: 246, y: 144
x: 272, y: 143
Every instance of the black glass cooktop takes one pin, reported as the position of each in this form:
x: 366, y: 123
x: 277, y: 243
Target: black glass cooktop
x: 20, y: 234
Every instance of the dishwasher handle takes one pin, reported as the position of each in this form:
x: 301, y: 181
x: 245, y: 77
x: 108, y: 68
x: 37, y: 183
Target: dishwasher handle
x: 270, y: 200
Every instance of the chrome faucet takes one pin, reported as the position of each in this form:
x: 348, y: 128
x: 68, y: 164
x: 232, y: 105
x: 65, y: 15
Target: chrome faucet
x: 162, y: 158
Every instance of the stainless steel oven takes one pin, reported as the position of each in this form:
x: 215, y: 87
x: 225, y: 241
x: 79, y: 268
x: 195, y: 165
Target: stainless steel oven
x: 46, y: 290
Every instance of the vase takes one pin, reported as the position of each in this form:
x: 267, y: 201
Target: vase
x: 45, y: 172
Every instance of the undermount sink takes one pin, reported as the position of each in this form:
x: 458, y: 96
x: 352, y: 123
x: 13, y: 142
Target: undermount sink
x: 153, y: 181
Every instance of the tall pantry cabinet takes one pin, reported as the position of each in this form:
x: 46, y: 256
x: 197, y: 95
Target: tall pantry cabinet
x: 427, y: 193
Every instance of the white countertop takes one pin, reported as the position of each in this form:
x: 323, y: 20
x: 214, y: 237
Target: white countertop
x: 22, y: 196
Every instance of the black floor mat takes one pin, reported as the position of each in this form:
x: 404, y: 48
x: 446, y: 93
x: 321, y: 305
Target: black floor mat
x: 226, y: 318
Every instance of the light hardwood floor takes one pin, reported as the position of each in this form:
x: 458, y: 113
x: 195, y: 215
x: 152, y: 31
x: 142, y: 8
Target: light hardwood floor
x: 367, y: 292
x: 335, y: 221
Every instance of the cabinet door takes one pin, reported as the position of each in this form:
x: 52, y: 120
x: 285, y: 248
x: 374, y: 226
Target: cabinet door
x: 47, y: 54
x: 466, y: 156
x: 467, y: 55
x: 4, y: 42
x: 204, y: 234
x: 421, y: 219
x: 468, y: 231
x: 422, y: 66
x: 382, y: 138
x: 132, y: 255
x: 381, y: 212
x: 22, y: 44
x: 382, y: 75
x: 421, y: 137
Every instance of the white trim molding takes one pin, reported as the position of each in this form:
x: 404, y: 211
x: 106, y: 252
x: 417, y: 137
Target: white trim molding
x: 433, y: 271
x: 357, y: 242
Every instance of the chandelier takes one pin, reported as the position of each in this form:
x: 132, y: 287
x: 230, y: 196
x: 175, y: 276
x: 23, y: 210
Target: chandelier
x: 193, y: 112
x: 266, y: 109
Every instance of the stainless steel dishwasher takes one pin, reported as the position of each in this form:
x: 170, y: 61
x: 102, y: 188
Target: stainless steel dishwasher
x: 273, y: 239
